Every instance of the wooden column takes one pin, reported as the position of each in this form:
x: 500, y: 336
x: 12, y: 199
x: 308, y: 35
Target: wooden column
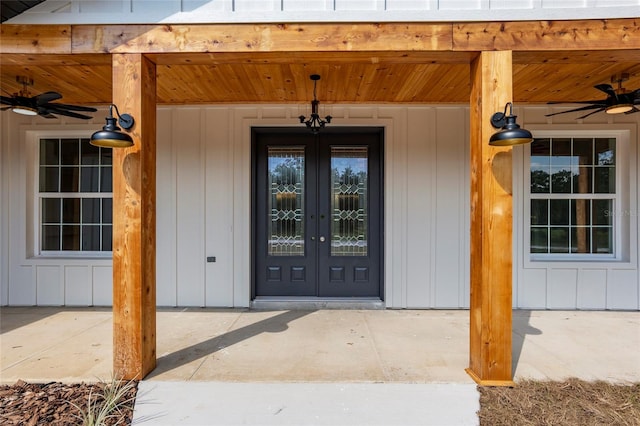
x: 491, y: 224
x: 134, y: 221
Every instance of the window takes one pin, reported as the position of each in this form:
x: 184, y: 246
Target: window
x: 74, y: 196
x: 573, y: 193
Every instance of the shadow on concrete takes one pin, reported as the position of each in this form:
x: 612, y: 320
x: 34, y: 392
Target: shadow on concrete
x: 521, y: 328
x: 275, y: 324
x: 12, y: 318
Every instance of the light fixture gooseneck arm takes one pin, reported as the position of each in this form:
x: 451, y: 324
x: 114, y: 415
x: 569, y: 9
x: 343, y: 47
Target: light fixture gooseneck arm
x: 124, y: 120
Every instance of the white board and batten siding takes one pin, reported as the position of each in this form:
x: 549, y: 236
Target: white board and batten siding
x: 270, y: 11
x: 204, y: 210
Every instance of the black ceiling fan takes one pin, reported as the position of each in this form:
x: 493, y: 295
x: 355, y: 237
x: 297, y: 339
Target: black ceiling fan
x: 618, y: 100
x: 42, y: 104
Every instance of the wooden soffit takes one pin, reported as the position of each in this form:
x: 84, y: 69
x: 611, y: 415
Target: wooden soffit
x: 359, y: 62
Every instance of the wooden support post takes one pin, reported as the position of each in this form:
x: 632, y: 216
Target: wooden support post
x: 134, y: 222
x: 491, y: 224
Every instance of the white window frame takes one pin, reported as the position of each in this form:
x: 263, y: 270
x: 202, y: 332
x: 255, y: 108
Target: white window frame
x: 624, y: 239
x: 34, y: 217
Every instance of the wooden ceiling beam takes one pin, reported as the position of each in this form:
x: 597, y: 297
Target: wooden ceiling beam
x: 35, y: 39
x: 261, y: 38
x: 604, y: 34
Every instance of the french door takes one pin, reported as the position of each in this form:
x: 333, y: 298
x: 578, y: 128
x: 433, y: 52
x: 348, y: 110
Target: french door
x: 317, y: 212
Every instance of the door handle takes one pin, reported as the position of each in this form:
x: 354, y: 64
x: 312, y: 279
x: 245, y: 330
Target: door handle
x: 322, y: 239
x: 313, y: 238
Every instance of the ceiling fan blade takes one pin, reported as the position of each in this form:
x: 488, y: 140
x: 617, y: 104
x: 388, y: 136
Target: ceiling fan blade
x: 591, y: 113
x: 7, y: 101
x: 584, y: 108
x: 606, y: 88
x: 43, y: 111
x: 43, y: 98
x: 68, y: 107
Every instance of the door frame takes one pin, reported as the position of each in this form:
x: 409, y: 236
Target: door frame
x: 380, y: 131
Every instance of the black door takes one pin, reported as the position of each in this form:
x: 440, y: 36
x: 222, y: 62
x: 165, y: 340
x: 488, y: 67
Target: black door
x: 317, y: 215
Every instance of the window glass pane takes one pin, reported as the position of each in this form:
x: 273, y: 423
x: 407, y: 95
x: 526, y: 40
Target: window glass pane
x: 106, y: 179
x: 581, y: 212
x: 540, y: 165
x: 91, y: 210
x: 605, y: 151
x: 286, y: 180
x: 559, y: 240
x: 561, y: 152
x: 582, y: 180
x: 539, y: 240
x: 561, y: 180
x: 91, y: 237
x: 71, y: 237
x: 51, y: 210
x: 49, y: 179
x: 69, y: 179
x: 49, y: 152
x: 582, y: 152
x: 106, y: 237
x: 349, y: 200
x: 90, y: 179
x: 69, y: 152
x: 539, y: 212
x: 559, y: 212
x: 90, y: 154
x: 51, y: 237
x: 105, y: 156
x: 107, y: 208
x: 602, y: 212
x: 605, y: 180
x: 580, y: 240
x: 71, y: 210
x: 602, y: 240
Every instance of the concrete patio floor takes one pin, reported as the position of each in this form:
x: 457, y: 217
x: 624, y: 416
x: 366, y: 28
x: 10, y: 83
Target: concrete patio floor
x: 316, y: 367
x: 41, y: 344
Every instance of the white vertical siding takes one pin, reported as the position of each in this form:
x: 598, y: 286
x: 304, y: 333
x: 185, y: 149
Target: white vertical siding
x: 102, y: 280
x: 190, y: 173
x: 77, y: 286
x: 207, y: 11
x: 204, y: 210
x: 452, y: 188
x: 219, y: 208
x: 421, y: 185
x: 166, y: 282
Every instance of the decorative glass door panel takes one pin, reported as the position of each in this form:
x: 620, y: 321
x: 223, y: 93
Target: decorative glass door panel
x: 349, y: 183
x: 286, y: 203
x: 317, y: 212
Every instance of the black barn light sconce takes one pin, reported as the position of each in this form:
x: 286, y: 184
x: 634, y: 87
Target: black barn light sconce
x: 510, y: 132
x: 315, y: 123
x: 110, y: 136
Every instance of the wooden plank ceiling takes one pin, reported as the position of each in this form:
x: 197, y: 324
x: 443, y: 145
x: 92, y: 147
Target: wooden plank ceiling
x: 361, y: 77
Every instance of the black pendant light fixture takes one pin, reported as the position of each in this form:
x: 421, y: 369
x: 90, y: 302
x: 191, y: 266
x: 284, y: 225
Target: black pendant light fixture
x: 315, y: 123
x: 510, y: 132
x: 110, y: 136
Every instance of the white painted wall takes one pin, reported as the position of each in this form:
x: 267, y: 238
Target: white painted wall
x: 221, y: 11
x: 204, y: 207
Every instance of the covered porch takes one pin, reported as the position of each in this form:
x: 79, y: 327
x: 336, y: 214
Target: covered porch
x: 484, y: 64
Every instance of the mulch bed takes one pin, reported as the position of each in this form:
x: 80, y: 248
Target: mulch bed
x: 572, y: 402
x: 28, y: 404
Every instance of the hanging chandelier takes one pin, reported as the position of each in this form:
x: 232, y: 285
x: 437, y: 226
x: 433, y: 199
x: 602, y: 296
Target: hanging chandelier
x: 315, y: 123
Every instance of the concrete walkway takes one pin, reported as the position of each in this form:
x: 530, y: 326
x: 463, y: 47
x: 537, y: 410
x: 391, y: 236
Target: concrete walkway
x: 314, y: 367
